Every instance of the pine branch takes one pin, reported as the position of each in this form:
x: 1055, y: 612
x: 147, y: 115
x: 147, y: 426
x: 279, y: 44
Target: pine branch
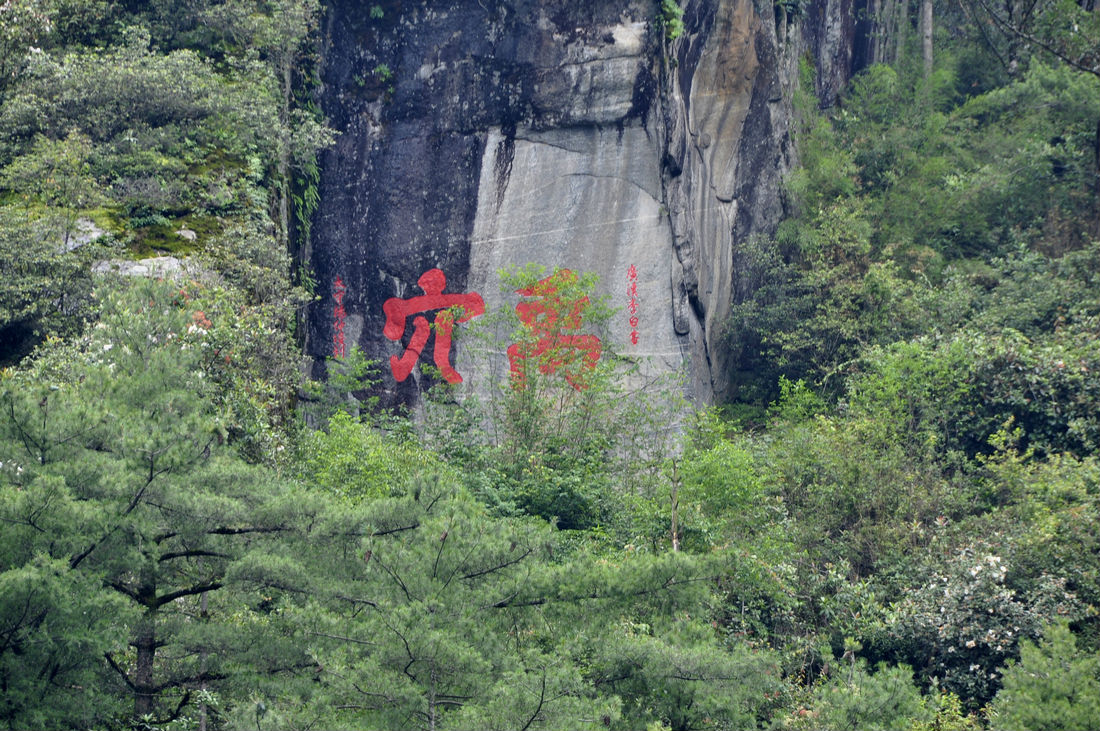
x: 539, y: 601
x: 212, y: 585
x: 499, y: 566
x: 538, y: 708
x: 120, y: 671
x: 191, y: 554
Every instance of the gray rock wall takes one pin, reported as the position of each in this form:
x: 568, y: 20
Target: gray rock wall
x: 482, y: 134
x: 588, y: 199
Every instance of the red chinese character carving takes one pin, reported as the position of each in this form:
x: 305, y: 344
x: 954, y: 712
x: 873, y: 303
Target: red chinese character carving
x: 552, y: 322
x: 341, y: 316
x: 398, y: 311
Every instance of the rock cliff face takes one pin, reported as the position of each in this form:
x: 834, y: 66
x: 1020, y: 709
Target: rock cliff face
x: 480, y: 134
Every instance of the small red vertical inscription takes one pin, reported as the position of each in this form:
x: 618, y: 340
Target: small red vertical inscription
x: 340, y: 316
x: 632, y: 304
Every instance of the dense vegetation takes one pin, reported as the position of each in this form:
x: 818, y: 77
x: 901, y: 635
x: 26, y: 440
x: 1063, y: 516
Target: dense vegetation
x: 894, y: 527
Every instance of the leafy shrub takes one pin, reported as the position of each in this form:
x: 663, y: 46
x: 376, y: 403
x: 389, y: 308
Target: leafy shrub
x: 958, y: 392
x: 855, y: 699
x: 966, y: 619
x: 672, y: 18
x: 358, y: 461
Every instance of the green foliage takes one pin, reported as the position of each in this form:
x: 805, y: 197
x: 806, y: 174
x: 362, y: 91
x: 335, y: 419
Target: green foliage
x: 949, y: 715
x: 132, y: 99
x: 721, y: 484
x: 723, y: 500
x: 44, y: 256
x: 793, y: 8
x: 337, y: 393
x: 1050, y: 503
x: 671, y: 17
x: 854, y: 498
x: 357, y: 461
x: 1055, y: 685
x: 854, y: 698
x: 966, y: 618
x: 957, y: 393
x: 58, y: 175
x: 45, y: 289
x: 1061, y: 32
x: 423, y: 606
x: 178, y: 116
x: 243, y: 335
x: 681, y: 679
x: 797, y: 402
x: 903, y: 182
x: 915, y: 488
x: 1041, y: 185
x: 306, y: 197
x: 24, y: 25
x: 810, y: 319
x: 55, y: 623
x: 950, y: 605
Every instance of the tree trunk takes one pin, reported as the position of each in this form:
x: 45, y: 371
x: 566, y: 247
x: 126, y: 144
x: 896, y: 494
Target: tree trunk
x: 431, y: 700
x: 145, y: 644
x: 926, y: 35
x: 900, y: 27
x: 884, y: 17
x: 675, y: 507
x: 1097, y: 144
x: 202, y: 666
x: 284, y: 156
x: 876, y: 32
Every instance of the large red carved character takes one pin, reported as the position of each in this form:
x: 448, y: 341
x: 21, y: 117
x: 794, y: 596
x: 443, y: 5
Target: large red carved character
x: 398, y: 311
x: 553, y: 322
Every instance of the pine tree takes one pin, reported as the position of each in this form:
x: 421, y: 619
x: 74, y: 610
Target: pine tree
x: 126, y: 508
x: 1055, y: 685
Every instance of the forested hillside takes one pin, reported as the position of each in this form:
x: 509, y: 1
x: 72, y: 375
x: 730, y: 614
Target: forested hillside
x: 893, y: 525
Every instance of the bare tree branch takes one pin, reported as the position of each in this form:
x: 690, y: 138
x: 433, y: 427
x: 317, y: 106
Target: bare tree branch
x: 1009, y: 27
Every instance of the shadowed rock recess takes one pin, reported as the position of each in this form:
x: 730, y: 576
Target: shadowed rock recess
x: 480, y: 134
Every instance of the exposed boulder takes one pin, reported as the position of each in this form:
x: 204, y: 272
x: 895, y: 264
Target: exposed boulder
x: 158, y: 267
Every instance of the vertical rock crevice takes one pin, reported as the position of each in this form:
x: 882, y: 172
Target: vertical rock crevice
x: 727, y: 118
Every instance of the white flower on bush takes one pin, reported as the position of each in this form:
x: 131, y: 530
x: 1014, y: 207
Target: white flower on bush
x: 966, y: 616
